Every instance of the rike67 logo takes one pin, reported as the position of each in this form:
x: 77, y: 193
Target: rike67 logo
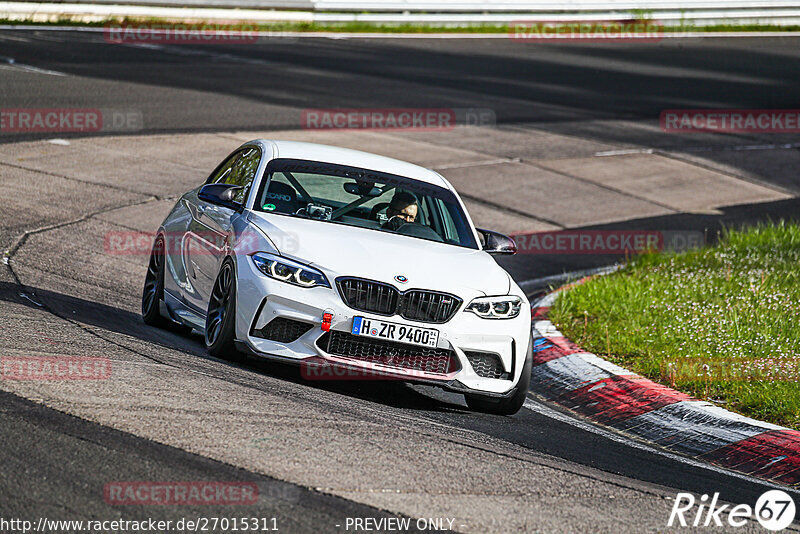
x: 774, y: 510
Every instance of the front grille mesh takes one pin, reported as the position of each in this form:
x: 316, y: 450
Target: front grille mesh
x: 486, y: 364
x: 283, y: 330
x: 369, y: 296
x: 389, y: 353
x: 383, y: 299
x: 429, y: 306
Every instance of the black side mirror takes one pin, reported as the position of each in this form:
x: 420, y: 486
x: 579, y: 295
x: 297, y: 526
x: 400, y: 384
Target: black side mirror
x: 497, y: 243
x: 221, y: 195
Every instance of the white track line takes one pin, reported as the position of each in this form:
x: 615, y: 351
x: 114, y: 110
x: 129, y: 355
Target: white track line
x: 623, y: 152
x: 695, y: 149
x: 780, y: 146
x: 12, y: 63
x: 182, y: 51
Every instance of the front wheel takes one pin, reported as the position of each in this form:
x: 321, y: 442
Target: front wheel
x: 512, y: 404
x: 221, y: 316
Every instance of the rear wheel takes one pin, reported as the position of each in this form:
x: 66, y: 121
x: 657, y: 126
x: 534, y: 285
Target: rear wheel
x: 221, y: 316
x: 512, y: 404
x: 154, y: 285
x: 153, y: 292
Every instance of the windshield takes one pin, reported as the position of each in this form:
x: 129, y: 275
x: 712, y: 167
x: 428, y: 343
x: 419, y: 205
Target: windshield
x: 364, y: 198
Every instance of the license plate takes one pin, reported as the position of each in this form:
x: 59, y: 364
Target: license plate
x: 402, y: 333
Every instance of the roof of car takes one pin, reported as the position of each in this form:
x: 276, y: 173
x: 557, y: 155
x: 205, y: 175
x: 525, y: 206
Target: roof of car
x: 354, y: 158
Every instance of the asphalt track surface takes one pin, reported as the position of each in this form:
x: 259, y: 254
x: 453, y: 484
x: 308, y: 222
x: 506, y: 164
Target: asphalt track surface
x: 53, y: 462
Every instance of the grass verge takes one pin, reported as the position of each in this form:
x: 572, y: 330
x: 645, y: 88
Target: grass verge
x: 720, y: 323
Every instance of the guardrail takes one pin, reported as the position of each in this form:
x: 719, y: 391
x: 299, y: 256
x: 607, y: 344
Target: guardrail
x: 553, y: 6
x: 441, y: 12
x: 777, y: 15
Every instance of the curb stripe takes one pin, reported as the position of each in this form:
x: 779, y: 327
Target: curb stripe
x: 690, y: 427
x: 614, y: 397
x: 540, y: 312
x: 560, y: 376
x: 619, y: 398
x: 551, y: 348
x: 773, y: 455
x: 545, y: 329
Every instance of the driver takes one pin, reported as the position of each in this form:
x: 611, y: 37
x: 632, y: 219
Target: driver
x: 402, y: 209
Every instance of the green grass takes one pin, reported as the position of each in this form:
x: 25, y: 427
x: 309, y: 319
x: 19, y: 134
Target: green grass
x: 720, y: 323
x: 366, y: 27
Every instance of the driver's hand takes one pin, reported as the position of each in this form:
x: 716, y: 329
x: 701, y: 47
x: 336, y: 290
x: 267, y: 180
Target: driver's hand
x: 394, y: 223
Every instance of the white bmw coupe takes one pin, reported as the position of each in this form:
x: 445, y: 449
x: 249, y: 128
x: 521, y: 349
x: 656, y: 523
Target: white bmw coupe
x: 326, y: 256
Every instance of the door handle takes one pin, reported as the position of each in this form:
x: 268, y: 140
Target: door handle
x: 201, y: 209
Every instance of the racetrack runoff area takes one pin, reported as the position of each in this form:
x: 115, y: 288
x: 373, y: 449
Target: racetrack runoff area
x: 515, y: 180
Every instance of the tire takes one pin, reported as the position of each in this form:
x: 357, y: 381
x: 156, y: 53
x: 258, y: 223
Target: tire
x: 220, y: 331
x: 153, y: 292
x: 509, y: 405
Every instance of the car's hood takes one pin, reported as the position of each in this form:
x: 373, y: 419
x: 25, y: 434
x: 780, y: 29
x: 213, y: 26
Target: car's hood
x: 342, y: 250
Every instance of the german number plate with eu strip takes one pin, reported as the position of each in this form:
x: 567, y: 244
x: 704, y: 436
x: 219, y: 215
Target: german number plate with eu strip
x: 414, y: 335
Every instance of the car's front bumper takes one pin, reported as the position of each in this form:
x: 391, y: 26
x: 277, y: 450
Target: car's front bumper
x: 260, y: 300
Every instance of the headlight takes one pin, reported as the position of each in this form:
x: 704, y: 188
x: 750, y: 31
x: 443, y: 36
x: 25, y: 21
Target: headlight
x: 495, y: 307
x: 289, y: 271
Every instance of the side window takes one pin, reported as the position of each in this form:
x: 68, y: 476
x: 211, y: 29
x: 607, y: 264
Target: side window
x: 243, y: 172
x: 222, y: 172
x: 449, y: 227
